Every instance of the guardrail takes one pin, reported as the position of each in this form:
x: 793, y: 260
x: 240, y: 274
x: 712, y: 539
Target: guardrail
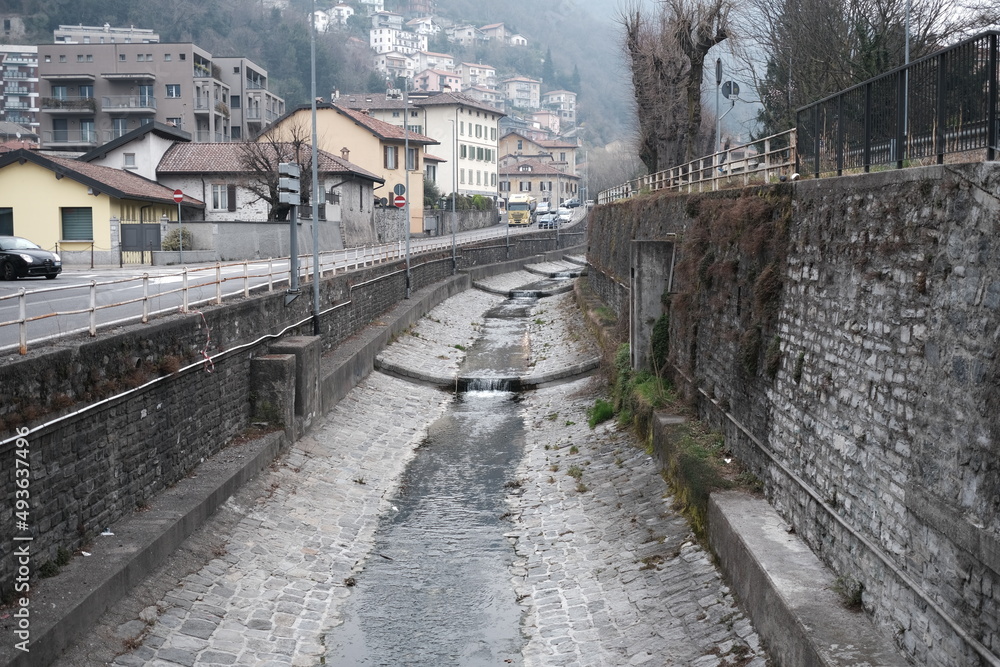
x: 761, y: 161
x: 250, y: 276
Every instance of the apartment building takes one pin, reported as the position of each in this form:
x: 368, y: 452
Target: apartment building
x: 92, y: 93
x: 522, y: 92
x: 89, y: 34
x: 562, y: 102
x: 387, y: 40
x: 19, y: 81
x: 477, y: 74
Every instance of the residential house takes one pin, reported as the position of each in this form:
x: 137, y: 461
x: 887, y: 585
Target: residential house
x: 94, y: 93
x: 395, y: 65
x: 19, y: 83
x: 522, y: 92
x: 466, y: 35
x: 538, y: 178
x: 487, y: 96
x: 562, y: 102
x: 340, y: 12
x: 373, y: 6
x: 233, y: 179
x: 518, y: 40
x: 321, y: 20
x: 431, y: 60
x: 84, y: 205
x: 432, y: 165
x: 517, y: 147
x: 390, y: 20
x: 90, y: 34
x: 138, y: 151
x: 475, y: 74
x: 423, y: 25
x: 547, y: 120
x: 14, y: 136
x: 387, y: 40
x: 466, y: 129
x: 495, y: 32
x: 372, y: 144
x: 435, y: 80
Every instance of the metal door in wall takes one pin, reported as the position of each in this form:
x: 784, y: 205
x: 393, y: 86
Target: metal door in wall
x: 139, y: 240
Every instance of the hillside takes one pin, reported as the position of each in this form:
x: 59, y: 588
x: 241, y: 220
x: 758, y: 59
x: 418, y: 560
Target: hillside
x: 582, y: 51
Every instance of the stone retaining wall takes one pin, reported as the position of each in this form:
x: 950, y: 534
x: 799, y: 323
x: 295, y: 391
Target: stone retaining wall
x: 865, y: 395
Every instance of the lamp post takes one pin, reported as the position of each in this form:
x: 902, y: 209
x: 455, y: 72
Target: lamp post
x: 406, y: 178
x: 454, y: 193
x: 315, y: 176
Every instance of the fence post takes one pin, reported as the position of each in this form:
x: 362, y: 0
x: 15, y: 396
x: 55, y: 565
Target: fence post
x: 270, y: 275
x: 93, y: 308
x: 991, y: 112
x: 901, y: 76
x: 246, y: 279
x: 816, y: 133
x: 22, y: 316
x: 218, y: 284
x: 184, y: 290
x: 840, y: 135
x: 942, y: 82
x: 145, y: 298
x: 868, y: 128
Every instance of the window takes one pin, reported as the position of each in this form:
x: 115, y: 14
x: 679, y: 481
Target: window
x: 183, y: 56
x: 520, y: 145
x: 149, y: 57
x: 121, y: 57
x: 77, y: 223
x: 493, y: 134
x: 236, y: 70
x: 462, y: 150
x: 167, y: 57
x: 234, y: 101
x: 6, y: 222
x: 173, y: 90
x: 504, y: 185
x: 62, y: 58
x: 480, y: 154
x: 79, y: 57
x: 525, y: 186
x: 87, y: 131
x: 479, y: 178
x: 176, y: 121
x: 48, y: 59
x: 493, y: 180
x: 562, y: 157
x: 90, y: 57
x: 60, y: 129
x: 59, y: 92
x: 236, y: 133
x: 479, y: 131
x: 411, y: 160
x: 128, y: 160
x: 119, y: 126
x: 461, y: 128
x: 390, y: 157
x: 220, y: 197
x: 395, y: 114
x: 140, y: 57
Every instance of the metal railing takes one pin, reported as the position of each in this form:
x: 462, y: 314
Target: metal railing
x: 763, y: 161
x: 944, y: 103
x: 128, y: 102
x: 192, y: 284
x: 916, y: 114
x: 70, y: 137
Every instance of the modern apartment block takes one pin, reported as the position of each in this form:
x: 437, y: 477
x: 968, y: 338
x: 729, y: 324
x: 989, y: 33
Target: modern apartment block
x: 92, y: 93
x: 20, y: 89
x: 89, y: 34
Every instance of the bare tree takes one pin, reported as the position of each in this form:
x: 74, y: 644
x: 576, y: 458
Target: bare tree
x: 261, y: 158
x: 667, y: 59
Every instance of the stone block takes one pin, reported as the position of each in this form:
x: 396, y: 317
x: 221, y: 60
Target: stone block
x: 272, y: 390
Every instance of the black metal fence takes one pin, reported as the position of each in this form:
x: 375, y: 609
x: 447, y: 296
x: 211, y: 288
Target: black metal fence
x: 943, y: 103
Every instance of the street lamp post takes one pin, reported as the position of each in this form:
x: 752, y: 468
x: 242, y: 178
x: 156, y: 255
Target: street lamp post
x: 454, y: 193
x: 315, y: 177
x: 406, y: 178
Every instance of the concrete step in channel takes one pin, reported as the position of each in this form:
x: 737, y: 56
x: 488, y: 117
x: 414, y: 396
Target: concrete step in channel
x: 788, y: 592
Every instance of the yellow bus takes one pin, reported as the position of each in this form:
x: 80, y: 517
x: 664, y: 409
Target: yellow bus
x: 520, y: 210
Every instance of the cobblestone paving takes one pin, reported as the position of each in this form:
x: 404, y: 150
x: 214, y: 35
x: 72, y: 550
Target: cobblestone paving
x: 609, y: 575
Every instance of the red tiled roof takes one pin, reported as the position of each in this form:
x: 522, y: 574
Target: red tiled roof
x: 228, y: 158
x: 538, y: 168
x: 118, y: 182
x: 382, y: 129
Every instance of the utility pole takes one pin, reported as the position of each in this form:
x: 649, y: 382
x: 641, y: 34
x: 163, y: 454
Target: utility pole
x: 315, y: 176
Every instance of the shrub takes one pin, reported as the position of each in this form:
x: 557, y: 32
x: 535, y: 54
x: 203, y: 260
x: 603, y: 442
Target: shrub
x: 172, y: 240
x: 602, y: 411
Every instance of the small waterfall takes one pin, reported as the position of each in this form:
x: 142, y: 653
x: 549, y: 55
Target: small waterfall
x: 509, y: 384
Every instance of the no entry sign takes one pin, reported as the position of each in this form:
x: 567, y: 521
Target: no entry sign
x: 178, y: 196
x: 399, y: 201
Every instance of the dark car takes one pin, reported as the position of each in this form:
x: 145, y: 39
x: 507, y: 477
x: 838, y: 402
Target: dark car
x: 20, y: 258
x: 548, y: 220
x: 571, y: 203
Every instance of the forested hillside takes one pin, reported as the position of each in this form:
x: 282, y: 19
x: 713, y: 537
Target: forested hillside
x: 568, y: 47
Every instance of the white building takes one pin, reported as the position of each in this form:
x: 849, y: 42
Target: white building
x: 373, y: 6
x: 436, y: 80
x: 562, y: 102
x: 424, y: 25
x: 395, y: 64
x: 385, y: 40
x: 321, y: 20
x: 466, y: 35
x: 340, y: 13
x: 474, y: 74
x: 522, y: 92
x: 488, y: 96
x: 431, y: 60
x: 387, y: 20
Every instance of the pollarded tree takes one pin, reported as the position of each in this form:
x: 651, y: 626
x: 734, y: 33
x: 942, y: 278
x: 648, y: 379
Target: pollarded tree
x: 260, y: 160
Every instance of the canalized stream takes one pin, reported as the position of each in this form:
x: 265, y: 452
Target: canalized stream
x: 437, y: 589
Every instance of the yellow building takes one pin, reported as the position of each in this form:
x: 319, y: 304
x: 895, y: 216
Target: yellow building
x: 370, y: 143
x: 77, y: 207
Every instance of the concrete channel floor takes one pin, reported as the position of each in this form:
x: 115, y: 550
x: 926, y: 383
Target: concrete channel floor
x: 606, y: 571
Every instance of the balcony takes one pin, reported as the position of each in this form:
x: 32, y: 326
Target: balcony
x: 16, y: 90
x: 203, y: 104
x: 255, y: 85
x: 69, y: 139
x: 209, y: 137
x: 139, y: 104
x: 69, y: 105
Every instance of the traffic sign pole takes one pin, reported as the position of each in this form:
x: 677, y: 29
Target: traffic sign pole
x: 179, y: 197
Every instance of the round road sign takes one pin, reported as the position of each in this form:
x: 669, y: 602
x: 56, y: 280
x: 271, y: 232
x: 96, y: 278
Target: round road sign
x: 178, y: 196
x: 399, y: 201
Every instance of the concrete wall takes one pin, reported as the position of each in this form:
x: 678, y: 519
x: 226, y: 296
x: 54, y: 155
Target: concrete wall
x: 112, y: 421
x: 865, y: 394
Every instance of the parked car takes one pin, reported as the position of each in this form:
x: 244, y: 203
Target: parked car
x: 20, y: 258
x: 548, y: 220
x: 571, y: 203
x: 542, y: 207
x: 564, y: 214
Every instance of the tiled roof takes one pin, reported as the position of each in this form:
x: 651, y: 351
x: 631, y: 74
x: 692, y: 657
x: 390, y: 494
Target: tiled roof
x: 115, y: 182
x: 457, y: 98
x: 538, y: 168
x: 7, y: 127
x: 382, y: 129
x: 433, y: 158
x: 228, y: 158
x: 15, y: 144
x: 555, y: 143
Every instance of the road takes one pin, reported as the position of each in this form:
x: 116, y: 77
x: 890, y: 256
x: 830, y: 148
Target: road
x: 101, y: 297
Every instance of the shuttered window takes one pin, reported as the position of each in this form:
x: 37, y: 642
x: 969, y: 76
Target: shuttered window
x: 77, y: 224
x: 231, y: 192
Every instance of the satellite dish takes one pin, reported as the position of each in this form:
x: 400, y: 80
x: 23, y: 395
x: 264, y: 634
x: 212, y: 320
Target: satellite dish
x: 17, y: 135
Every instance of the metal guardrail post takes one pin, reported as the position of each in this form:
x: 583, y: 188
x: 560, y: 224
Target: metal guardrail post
x: 145, y: 298
x: 218, y: 284
x: 246, y: 279
x: 270, y: 275
x: 184, y: 290
x: 991, y: 103
x: 93, y: 308
x: 22, y: 315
